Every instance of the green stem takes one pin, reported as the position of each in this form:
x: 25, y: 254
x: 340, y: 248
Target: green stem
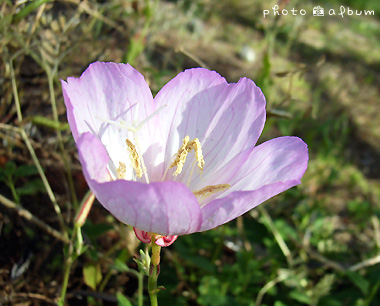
x: 68, y: 264
x: 141, y: 290
x: 50, y: 77
x: 11, y: 186
x: 152, y: 286
x: 66, y: 276
x: 153, y: 275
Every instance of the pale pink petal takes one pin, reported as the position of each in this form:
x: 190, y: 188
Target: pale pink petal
x: 165, y: 208
x: 165, y: 241
x: 226, y: 118
x: 146, y: 237
x: 143, y: 236
x: 106, y: 93
x: 271, y: 168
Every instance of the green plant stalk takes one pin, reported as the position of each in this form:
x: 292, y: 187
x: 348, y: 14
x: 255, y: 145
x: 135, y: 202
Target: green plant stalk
x: 68, y: 264
x: 30, y: 147
x: 11, y: 186
x: 28, y: 10
x: 44, y: 180
x: 372, y: 294
x: 153, y: 275
x: 14, y: 89
x: 140, y: 290
x: 50, y: 76
x: 50, y: 73
x: 277, y: 235
x: 152, y: 286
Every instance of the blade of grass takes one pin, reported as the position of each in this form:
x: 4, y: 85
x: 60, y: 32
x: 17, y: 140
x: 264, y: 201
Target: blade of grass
x: 28, y: 9
x: 31, y: 150
x: 277, y: 235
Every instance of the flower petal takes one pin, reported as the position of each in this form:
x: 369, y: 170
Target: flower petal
x: 227, y: 118
x: 271, y: 168
x: 164, y: 208
x: 109, y: 92
x: 143, y: 236
x: 146, y: 237
x: 165, y: 241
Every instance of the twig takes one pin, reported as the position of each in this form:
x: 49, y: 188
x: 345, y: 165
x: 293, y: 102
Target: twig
x: 267, y: 287
x: 365, y: 263
x: 28, y: 216
x: 326, y: 261
x: 39, y: 168
x: 338, y: 267
x: 29, y: 296
x: 376, y: 228
x: 84, y: 6
x: 192, y: 56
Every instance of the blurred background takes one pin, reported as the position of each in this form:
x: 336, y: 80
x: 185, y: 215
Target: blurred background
x: 316, y: 244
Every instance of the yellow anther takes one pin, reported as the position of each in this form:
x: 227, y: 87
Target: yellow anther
x: 121, y: 171
x: 198, y: 152
x: 209, y: 190
x: 185, y: 149
x: 135, y: 159
x: 181, y: 156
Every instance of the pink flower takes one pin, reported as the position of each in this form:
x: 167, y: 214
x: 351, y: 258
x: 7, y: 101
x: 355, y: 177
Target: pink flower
x: 184, y: 161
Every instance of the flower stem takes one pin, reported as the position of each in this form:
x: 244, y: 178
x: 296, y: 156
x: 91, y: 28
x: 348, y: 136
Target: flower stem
x: 67, y: 266
x: 152, y: 286
x: 153, y: 275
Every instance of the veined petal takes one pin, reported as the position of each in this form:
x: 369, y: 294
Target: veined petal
x: 106, y: 100
x: 271, y: 168
x: 165, y: 241
x: 226, y: 118
x: 143, y: 236
x: 165, y: 208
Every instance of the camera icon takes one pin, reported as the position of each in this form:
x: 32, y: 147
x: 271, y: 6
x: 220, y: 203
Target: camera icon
x: 318, y: 11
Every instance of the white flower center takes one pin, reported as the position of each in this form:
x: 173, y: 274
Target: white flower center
x: 138, y: 165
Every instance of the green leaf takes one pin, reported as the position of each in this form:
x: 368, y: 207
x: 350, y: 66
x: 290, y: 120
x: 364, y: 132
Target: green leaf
x: 359, y: 281
x: 9, y: 168
x: 122, y: 300
x: 25, y: 170
x: 92, y: 275
x: 120, y: 265
x: 300, y: 297
x: 31, y: 187
x: 28, y: 9
x: 93, y: 231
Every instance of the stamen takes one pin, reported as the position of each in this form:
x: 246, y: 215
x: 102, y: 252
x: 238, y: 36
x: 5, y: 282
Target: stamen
x: 209, y: 190
x: 185, y: 149
x: 121, y: 171
x: 198, y: 152
x: 135, y: 160
x: 181, y: 156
